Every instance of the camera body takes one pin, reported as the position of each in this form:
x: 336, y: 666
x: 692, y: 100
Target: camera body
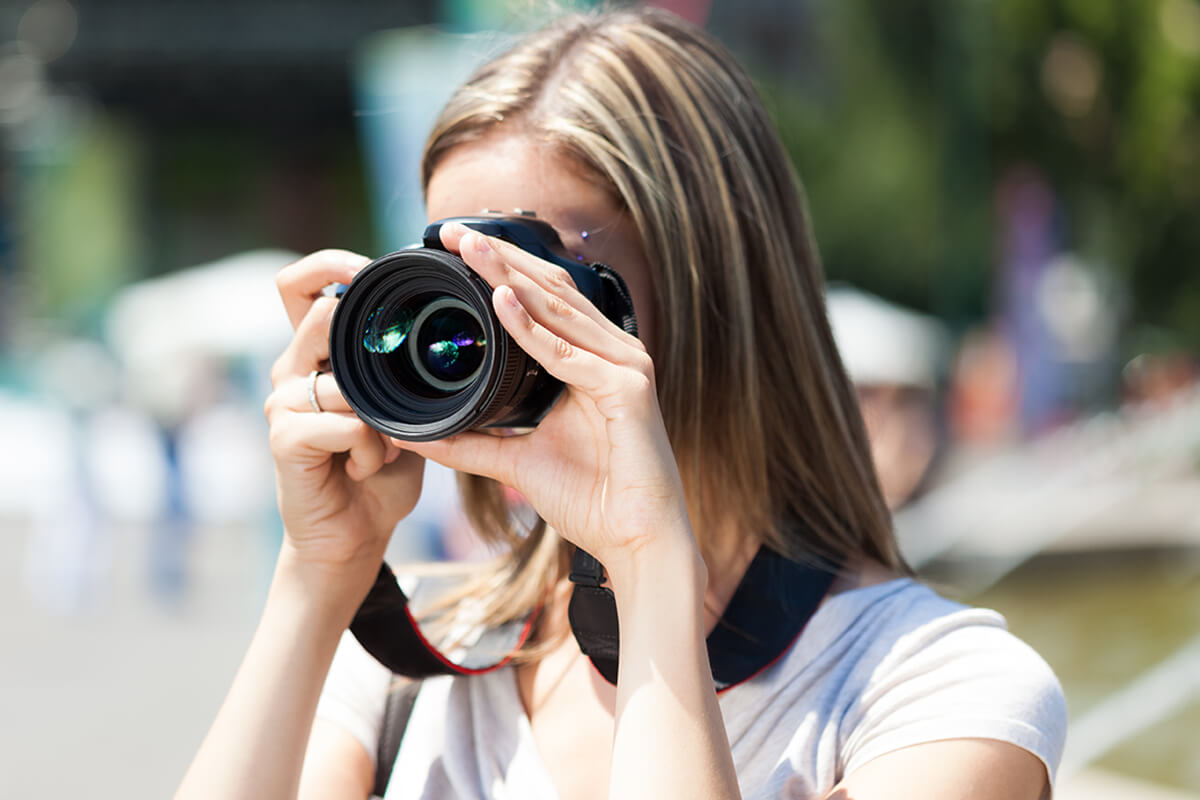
x: 418, y: 352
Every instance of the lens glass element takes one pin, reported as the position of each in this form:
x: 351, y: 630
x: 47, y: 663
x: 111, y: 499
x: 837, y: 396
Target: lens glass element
x: 447, y: 344
x: 450, y: 344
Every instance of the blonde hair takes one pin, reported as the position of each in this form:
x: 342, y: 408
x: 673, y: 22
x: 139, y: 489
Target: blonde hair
x: 761, y: 415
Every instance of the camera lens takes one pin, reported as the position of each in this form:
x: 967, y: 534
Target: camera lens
x: 448, y: 344
x: 419, y: 354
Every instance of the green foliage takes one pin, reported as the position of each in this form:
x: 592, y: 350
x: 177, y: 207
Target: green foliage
x: 925, y: 105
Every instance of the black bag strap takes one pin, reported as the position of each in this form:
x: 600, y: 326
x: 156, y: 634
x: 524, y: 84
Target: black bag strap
x: 402, y: 694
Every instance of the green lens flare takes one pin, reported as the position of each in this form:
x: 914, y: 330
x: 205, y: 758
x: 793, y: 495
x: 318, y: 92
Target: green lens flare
x: 381, y: 338
x: 445, y: 352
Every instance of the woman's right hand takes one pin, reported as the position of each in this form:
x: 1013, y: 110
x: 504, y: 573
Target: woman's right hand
x: 341, y: 486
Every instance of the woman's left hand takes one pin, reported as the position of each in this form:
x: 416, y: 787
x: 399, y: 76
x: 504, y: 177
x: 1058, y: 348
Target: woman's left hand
x: 599, y: 468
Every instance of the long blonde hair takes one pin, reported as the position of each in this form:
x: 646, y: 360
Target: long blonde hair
x: 761, y: 415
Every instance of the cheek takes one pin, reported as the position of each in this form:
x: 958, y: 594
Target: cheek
x: 646, y: 308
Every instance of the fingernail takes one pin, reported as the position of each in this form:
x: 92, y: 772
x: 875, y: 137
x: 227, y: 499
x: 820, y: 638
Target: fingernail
x: 510, y: 297
x: 481, y: 244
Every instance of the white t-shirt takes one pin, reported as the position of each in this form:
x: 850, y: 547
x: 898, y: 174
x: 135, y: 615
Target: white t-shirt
x: 877, y: 669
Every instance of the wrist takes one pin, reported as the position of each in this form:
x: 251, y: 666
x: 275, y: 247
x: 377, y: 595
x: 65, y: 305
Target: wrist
x: 666, y: 573
x: 329, y: 592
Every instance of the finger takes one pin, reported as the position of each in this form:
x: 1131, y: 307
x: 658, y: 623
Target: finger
x: 470, y: 452
x: 567, y: 313
x: 500, y: 262
x: 301, y: 438
x: 391, y: 451
x: 451, y: 236
x: 309, y: 348
x: 600, y: 379
x: 301, y: 282
x: 292, y: 395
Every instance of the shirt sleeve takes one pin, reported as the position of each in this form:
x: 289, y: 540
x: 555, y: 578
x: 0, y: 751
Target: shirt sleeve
x: 959, y: 677
x: 355, y: 693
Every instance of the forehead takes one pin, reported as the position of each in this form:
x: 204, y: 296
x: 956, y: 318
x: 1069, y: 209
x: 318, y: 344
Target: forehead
x: 508, y: 172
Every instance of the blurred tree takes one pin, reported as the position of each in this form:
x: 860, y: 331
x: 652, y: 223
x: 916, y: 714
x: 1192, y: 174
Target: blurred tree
x: 923, y: 105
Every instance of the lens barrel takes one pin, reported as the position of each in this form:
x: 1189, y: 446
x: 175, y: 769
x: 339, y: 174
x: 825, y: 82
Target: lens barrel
x: 419, y: 354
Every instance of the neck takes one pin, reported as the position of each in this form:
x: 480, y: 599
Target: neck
x: 727, y: 554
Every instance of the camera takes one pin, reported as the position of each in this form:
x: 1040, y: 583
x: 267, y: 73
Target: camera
x: 417, y: 350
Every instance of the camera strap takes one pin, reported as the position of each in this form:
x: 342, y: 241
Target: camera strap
x: 768, y: 611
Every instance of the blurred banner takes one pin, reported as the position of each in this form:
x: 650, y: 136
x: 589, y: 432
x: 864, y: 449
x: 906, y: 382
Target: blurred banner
x: 402, y: 79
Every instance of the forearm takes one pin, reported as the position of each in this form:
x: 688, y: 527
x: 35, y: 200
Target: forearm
x: 670, y: 738
x: 255, y: 747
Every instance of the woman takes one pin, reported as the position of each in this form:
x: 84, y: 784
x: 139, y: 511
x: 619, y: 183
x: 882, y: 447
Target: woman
x: 672, y: 458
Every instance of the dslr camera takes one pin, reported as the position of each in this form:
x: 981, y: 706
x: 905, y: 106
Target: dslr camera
x: 416, y: 347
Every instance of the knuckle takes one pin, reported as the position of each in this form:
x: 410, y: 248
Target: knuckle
x: 324, y: 304
x: 562, y: 348
x: 364, y: 436
x: 278, y: 439
x: 289, y: 273
x: 558, y: 278
x: 644, y: 364
x: 640, y: 385
x: 559, y: 307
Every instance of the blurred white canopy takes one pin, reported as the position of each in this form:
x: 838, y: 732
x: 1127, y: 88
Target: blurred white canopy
x: 228, y: 308
x: 173, y: 334
x: 883, y: 343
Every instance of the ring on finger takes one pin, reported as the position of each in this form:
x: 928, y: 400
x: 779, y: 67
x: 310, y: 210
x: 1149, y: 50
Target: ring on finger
x: 311, y: 386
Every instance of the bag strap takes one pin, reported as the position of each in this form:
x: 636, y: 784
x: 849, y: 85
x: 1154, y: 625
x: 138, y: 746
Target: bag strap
x: 402, y: 694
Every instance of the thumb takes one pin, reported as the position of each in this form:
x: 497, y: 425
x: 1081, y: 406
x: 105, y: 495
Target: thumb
x: 471, y: 452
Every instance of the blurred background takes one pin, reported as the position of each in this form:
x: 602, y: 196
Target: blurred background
x: 1006, y: 194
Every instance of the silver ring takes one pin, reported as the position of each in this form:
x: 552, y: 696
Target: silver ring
x: 311, y: 385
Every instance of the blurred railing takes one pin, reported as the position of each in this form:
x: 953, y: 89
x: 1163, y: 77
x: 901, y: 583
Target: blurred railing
x: 1084, y: 486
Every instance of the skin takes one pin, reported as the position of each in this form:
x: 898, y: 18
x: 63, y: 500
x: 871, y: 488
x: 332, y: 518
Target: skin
x: 599, y: 469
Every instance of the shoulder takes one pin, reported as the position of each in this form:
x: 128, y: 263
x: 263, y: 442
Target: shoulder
x: 889, y: 666
x: 925, y: 668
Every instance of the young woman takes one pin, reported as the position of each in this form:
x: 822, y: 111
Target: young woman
x: 727, y: 427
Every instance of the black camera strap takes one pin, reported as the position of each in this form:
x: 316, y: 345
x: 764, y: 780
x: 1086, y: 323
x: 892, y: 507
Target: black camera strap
x: 768, y: 611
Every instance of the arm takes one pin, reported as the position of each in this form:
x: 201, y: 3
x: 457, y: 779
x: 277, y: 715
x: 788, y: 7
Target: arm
x: 670, y: 737
x: 955, y: 769
x: 336, y: 767
x: 341, y: 488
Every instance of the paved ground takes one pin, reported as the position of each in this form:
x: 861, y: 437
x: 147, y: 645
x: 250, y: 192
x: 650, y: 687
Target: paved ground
x: 111, y: 702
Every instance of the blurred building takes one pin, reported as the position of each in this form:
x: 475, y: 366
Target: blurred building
x: 176, y: 133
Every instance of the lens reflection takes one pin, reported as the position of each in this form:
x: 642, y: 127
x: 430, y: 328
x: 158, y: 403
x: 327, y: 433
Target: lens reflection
x: 386, y: 330
x: 450, y: 345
